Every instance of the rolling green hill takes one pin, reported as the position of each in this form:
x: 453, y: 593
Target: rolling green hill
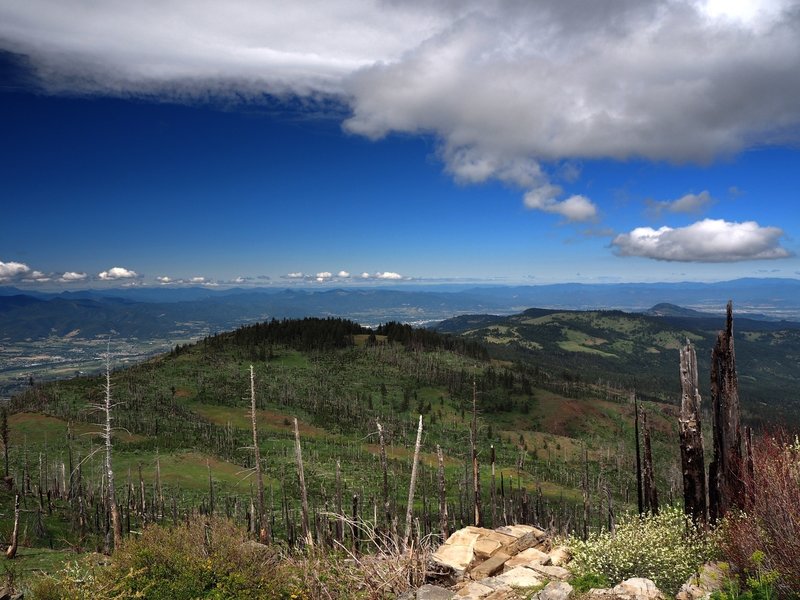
x: 184, y: 441
x: 640, y: 351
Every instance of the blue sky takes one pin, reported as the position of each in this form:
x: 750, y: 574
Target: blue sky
x: 376, y: 143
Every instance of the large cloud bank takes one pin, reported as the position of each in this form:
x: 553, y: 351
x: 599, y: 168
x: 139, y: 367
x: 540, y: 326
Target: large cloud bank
x: 506, y: 87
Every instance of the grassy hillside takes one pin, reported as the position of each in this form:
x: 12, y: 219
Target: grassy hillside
x: 184, y: 440
x: 626, y: 351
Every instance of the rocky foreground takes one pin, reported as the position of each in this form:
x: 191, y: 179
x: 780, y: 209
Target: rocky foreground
x: 519, y: 562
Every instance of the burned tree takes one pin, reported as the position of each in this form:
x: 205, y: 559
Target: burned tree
x: 648, y: 473
x: 116, y: 521
x: 476, y: 481
x: 692, y: 459
x: 639, y: 488
x: 259, y: 519
x: 725, y: 481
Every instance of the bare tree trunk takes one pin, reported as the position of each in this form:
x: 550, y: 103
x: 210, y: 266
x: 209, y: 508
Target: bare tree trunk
x: 648, y: 475
x: 639, y: 488
x: 11, y: 551
x: 692, y: 453
x: 585, y: 486
x: 261, y: 526
x: 442, y: 495
x: 387, y: 509
x: 301, y: 476
x: 412, y: 484
x: 725, y: 472
x: 476, y: 480
x: 116, y: 522
x: 494, y: 490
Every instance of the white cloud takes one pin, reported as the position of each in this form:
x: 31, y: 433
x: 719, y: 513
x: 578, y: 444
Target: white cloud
x: 323, y: 275
x: 12, y: 270
x: 573, y: 209
x: 36, y: 277
x: 297, y: 275
x: 365, y: 275
x: 709, y: 240
x: 198, y: 279
x: 164, y: 280
x: 343, y: 274
x: 388, y: 275
x: 69, y: 276
x: 689, y: 204
x: 117, y: 273
x: 505, y: 87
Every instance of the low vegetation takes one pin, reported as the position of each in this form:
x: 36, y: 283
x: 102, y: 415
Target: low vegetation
x: 666, y: 548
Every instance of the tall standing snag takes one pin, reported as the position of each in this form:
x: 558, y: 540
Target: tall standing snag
x: 639, y: 488
x: 116, y: 521
x: 692, y: 453
x: 412, y: 484
x: 725, y: 480
x: 259, y: 518
x: 648, y: 473
x: 302, y: 478
x: 11, y: 551
x: 476, y: 480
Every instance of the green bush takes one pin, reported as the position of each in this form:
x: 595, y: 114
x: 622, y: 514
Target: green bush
x: 665, y: 548
x: 203, y: 560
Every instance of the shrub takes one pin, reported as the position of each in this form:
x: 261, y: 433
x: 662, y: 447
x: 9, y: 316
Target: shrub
x: 665, y: 548
x: 207, y: 559
x: 770, y: 527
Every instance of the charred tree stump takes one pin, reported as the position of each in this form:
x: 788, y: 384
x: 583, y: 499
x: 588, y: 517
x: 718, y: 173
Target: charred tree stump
x: 691, y: 436
x: 725, y: 480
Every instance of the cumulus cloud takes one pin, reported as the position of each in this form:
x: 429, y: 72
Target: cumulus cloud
x: 164, y: 280
x: 198, y: 279
x: 507, y: 88
x: 709, y: 240
x: 689, y: 204
x: 296, y: 275
x: 388, y: 275
x: 343, y: 274
x: 116, y: 273
x: 574, y: 209
x: 12, y: 270
x: 36, y: 277
x: 70, y: 276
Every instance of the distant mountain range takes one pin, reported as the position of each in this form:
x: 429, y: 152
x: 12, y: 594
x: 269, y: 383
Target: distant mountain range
x: 165, y: 311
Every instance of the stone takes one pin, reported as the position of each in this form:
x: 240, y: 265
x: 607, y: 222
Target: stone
x: 490, y: 566
x: 528, y: 557
x: 555, y: 590
x: 710, y: 579
x: 517, y: 531
x: 638, y: 588
x: 520, y: 577
x: 485, y: 547
x: 457, y: 553
x: 560, y: 556
x: 502, y: 593
x: 474, y: 590
x: 552, y: 571
x: 690, y: 591
x: 434, y: 592
x: 523, y: 542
